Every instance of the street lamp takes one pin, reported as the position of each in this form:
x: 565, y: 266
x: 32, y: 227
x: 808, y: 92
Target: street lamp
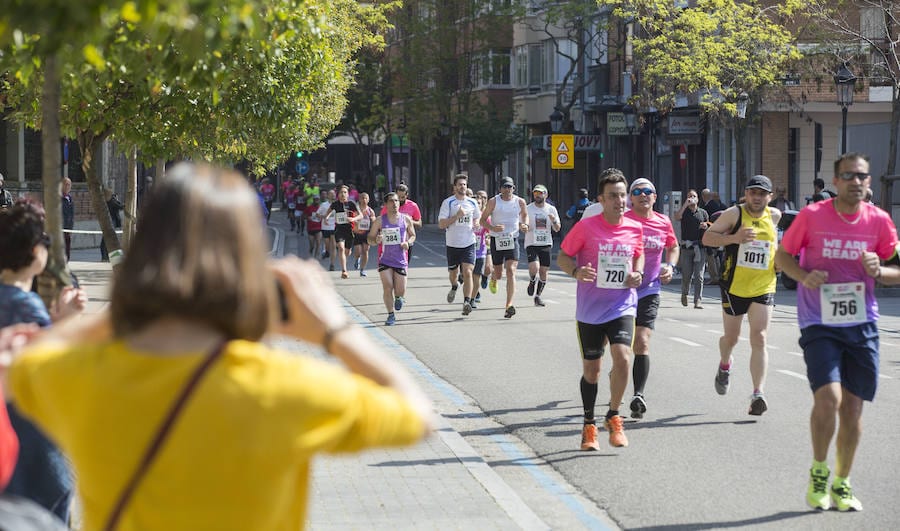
x: 742, y: 100
x: 556, y: 121
x: 844, y: 81
x: 630, y: 118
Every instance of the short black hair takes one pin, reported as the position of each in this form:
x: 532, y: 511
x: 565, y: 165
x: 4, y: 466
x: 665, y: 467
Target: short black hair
x: 610, y: 176
x: 21, y: 228
x: 818, y: 183
x: 852, y: 155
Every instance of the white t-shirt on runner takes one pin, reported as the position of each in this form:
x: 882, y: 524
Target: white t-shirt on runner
x: 540, y: 225
x: 461, y: 233
x: 327, y: 224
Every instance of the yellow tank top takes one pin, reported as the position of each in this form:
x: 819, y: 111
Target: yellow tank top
x: 750, y: 267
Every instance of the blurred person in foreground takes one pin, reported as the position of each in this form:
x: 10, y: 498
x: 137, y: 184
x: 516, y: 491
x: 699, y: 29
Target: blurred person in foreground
x: 41, y: 472
x: 189, y: 295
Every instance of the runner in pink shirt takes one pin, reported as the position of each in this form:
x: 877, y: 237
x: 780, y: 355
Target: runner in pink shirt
x: 606, y: 255
x: 659, y: 239
x: 841, y: 242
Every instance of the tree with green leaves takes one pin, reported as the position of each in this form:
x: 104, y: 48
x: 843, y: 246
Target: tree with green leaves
x: 490, y: 139
x: 715, y: 48
x: 251, y: 83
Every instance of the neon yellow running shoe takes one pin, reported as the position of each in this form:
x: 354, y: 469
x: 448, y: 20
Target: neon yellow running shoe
x: 842, y: 496
x: 817, y: 493
x: 492, y: 285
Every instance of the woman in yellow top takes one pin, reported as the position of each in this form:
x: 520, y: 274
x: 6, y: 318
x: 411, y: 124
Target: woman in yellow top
x: 238, y: 454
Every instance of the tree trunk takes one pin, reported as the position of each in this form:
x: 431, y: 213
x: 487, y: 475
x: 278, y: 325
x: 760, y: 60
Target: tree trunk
x: 87, y: 140
x: 56, y: 275
x: 129, y: 224
x: 160, y: 170
x: 895, y: 129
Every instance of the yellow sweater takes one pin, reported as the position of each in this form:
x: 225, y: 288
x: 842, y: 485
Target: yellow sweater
x: 238, y: 455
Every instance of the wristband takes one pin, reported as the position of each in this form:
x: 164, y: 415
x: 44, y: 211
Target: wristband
x: 332, y: 331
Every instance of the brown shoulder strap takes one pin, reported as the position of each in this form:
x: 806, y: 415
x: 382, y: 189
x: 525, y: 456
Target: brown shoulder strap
x: 161, y: 433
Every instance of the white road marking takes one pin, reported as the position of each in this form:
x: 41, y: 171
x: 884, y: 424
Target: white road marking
x: 428, y: 263
x: 713, y: 331
x: 792, y: 373
x: 885, y: 376
x: 691, y: 325
x: 796, y: 354
x: 773, y: 347
x: 685, y: 342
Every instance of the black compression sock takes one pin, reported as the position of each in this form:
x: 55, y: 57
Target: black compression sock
x: 639, y: 372
x: 588, y: 399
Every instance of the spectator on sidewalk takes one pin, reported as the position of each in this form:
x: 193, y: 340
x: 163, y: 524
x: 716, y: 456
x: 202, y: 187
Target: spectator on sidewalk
x: 115, y: 208
x: 68, y: 215
x: 192, y: 294
x: 819, y: 192
x: 41, y: 472
x: 6, y: 198
x: 781, y: 202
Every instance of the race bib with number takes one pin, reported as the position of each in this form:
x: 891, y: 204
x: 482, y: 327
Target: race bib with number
x: 291, y: 206
x: 504, y: 243
x: 542, y: 237
x: 465, y: 220
x: 364, y: 224
x: 298, y: 213
x: 390, y: 236
x: 843, y: 303
x: 340, y: 218
x: 754, y: 254
x: 612, y: 271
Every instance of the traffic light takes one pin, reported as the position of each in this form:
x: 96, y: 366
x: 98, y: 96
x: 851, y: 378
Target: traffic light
x: 299, y: 154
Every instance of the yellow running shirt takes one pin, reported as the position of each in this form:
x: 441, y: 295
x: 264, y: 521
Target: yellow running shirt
x: 749, y: 269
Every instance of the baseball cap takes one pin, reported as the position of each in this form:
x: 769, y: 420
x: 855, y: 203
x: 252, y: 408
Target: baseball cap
x: 642, y: 183
x: 759, y: 181
x: 540, y: 188
x: 507, y: 181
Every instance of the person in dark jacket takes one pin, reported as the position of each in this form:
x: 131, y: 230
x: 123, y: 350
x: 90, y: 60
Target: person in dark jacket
x: 115, y: 208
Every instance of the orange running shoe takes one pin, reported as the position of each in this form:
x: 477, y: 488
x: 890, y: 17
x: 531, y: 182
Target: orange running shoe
x: 589, y: 438
x: 616, y: 431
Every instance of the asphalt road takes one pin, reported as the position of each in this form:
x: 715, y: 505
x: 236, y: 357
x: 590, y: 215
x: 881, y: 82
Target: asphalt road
x: 697, y: 460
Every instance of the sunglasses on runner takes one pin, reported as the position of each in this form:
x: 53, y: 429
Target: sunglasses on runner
x: 638, y: 191
x: 849, y: 176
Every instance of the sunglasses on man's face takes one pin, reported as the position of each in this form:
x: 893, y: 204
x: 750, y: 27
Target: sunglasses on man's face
x: 638, y: 191
x: 849, y: 176
x: 507, y: 186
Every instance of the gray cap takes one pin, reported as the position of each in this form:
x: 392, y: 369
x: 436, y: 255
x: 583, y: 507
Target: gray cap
x: 760, y: 181
x: 507, y: 181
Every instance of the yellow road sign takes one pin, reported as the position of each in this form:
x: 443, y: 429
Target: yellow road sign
x: 563, y: 152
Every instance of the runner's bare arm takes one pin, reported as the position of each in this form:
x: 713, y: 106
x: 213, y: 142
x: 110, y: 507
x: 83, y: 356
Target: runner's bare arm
x: 487, y: 213
x: 790, y: 267
x: 719, y: 234
x: 374, y: 232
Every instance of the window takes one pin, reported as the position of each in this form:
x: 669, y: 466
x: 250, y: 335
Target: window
x: 492, y: 68
x: 535, y: 67
x: 871, y: 23
x: 522, y: 67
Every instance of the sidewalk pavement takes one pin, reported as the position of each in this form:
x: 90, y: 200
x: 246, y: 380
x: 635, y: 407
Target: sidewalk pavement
x: 441, y: 483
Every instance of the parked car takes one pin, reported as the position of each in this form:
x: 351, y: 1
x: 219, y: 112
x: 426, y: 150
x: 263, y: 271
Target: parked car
x: 787, y: 217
